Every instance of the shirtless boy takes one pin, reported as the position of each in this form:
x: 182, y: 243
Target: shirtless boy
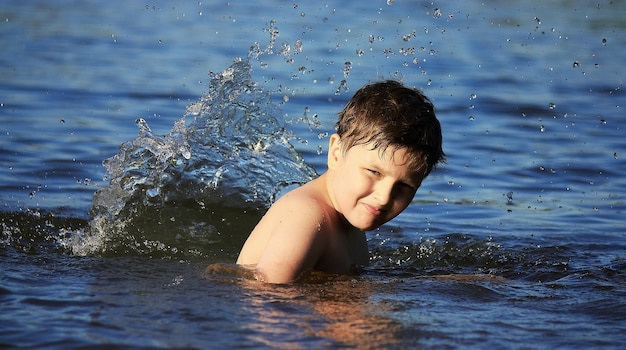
x: 388, y: 140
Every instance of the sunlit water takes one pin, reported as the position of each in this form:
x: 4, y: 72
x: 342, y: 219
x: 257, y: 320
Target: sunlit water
x: 142, y: 142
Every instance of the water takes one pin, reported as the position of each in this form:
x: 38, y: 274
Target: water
x: 518, y: 241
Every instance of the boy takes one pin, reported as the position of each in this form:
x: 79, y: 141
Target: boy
x: 388, y: 140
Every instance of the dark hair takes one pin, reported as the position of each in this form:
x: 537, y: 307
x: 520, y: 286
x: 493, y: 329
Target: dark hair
x: 388, y: 114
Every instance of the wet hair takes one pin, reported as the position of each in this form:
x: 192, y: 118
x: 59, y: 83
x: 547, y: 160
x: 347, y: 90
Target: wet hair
x: 388, y: 115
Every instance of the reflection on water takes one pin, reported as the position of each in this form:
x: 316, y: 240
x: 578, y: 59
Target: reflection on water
x: 321, y: 310
x: 365, y: 311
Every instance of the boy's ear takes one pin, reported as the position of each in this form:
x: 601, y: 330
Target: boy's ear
x: 334, y: 151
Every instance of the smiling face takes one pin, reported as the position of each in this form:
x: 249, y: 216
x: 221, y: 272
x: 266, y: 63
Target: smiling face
x: 368, y: 187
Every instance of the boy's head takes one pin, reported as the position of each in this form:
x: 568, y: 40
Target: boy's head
x: 390, y: 116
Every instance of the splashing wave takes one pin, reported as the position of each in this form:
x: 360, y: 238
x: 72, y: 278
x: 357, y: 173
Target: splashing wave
x: 236, y: 153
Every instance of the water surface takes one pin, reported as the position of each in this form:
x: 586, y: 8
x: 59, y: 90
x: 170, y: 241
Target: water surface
x: 518, y: 241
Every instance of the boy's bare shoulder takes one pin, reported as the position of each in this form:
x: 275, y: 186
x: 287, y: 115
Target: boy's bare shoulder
x: 290, y: 238
x: 304, y: 201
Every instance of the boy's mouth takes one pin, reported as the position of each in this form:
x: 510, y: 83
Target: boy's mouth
x: 373, y: 210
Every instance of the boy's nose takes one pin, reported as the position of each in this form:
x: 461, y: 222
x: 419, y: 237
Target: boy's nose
x: 384, y: 193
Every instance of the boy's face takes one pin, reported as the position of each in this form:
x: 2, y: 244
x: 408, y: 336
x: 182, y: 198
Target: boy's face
x: 369, y: 188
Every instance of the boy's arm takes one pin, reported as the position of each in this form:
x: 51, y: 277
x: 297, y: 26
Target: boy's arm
x: 296, y: 243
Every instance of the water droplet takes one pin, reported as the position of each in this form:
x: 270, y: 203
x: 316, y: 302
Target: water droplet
x: 509, y: 197
x: 551, y: 105
x: 471, y: 118
x: 186, y: 154
x: 62, y: 121
x: 297, y: 47
x: 542, y: 128
x: 576, y: 64
x: 604, y: 41
x: 437, y: 13
x: 472, y: 96
x: 346, y: 68
x: 390, y: 2
x: 343, y: 85
x: 153, y: 192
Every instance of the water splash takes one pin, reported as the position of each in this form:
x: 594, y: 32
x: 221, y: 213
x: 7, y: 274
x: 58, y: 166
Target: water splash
x: 453, y: 253
x: 204, y: 178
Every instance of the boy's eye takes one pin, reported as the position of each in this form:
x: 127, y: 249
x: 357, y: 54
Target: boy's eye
x: 409, y: 187
x: 374, y: 172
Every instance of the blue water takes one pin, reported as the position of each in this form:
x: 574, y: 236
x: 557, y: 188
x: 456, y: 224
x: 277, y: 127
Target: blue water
x: 517, y: 242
